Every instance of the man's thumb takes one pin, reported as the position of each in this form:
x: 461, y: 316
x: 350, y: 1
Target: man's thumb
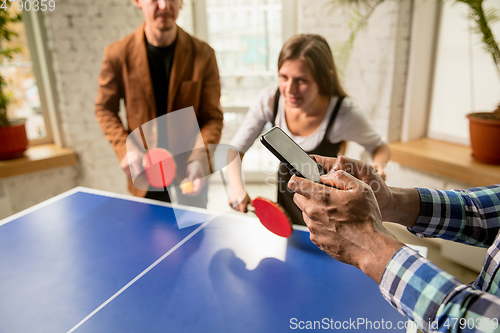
x: 341, y: 180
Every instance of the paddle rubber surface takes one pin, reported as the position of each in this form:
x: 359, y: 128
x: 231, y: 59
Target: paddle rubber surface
x: 272, y: 216
x: 160, y: 167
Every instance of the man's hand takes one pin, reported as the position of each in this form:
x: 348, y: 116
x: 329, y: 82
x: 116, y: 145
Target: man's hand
x: 131, y: 163
x: 346, y: 222
x: 399, y: 205
x: 362, y: 171
x: 196, y: 175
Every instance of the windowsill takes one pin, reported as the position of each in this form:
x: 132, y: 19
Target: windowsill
x: 38, y: 158
x: 445, y: 159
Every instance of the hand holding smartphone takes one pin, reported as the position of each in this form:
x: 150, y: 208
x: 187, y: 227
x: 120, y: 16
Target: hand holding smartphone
x: 291, y: 154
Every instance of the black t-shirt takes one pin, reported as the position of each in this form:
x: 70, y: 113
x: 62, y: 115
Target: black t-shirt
x: 160, y: 63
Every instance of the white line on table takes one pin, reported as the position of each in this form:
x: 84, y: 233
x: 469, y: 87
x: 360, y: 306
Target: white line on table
x: 140, y: 275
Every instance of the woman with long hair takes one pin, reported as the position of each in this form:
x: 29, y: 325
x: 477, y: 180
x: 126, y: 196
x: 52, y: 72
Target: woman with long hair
x: 311, y: 106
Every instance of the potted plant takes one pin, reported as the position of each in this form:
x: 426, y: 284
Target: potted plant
x: 485, y: 136
x: 13, y: 139
x: 484, y: 126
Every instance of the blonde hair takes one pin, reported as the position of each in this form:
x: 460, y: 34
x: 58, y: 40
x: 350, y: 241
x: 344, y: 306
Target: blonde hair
x: 315, y: 51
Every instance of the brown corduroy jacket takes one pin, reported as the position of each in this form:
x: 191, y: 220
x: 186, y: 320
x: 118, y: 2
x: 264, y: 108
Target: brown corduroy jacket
x: 194, y: 81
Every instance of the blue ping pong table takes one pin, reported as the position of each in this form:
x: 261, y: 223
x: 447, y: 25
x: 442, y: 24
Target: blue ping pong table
x: 89, y: 261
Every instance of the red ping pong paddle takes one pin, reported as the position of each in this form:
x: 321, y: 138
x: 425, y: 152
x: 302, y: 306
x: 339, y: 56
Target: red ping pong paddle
x: 272, y: 216
x: 160, y: 167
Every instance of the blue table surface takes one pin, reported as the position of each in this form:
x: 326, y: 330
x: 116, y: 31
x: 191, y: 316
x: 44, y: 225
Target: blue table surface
x: 62, y: 261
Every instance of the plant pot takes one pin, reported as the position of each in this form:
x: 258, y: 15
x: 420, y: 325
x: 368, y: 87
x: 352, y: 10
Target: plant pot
x: 13, y: 140
x: 485, y: 137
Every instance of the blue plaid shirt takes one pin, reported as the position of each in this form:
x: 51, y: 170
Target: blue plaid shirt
x: 432, y: 298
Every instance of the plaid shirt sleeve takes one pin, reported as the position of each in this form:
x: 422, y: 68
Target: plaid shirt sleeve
x: 468, y: 216
x: 434, y: 299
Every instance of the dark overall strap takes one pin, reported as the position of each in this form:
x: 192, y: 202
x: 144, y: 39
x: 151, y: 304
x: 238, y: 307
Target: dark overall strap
x: 276, y: 104
x: 326, y: 148
x: 333, y: 116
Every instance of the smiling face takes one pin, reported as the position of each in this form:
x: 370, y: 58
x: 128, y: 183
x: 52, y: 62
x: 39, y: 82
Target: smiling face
x: 297, y: 85
x: 160, y: 15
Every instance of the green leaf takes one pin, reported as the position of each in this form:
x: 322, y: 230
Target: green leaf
x: 358, y: 20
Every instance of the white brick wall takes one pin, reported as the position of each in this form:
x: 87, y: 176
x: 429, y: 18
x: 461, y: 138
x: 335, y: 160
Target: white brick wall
x: 78, y: 31
x: 401, y: 59
x: 401, y: 176
x: 369, y: 76
x: 21, y: 192
x: 376, y: 74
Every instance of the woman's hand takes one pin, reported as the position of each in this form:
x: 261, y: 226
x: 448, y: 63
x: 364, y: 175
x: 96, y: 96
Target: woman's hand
x: 380, y: 169
x: 240, y: 203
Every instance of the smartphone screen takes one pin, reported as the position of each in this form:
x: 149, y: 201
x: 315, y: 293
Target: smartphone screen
x: 290, y: 153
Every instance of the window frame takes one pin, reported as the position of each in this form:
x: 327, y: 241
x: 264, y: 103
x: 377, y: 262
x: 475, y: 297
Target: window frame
x: 44, y: 76
x: 200, y: 29
x: 426, y: 19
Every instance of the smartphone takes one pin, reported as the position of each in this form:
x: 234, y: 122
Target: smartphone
x: 290, y: 154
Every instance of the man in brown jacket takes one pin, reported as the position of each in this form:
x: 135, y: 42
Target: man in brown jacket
x: 159, y: 69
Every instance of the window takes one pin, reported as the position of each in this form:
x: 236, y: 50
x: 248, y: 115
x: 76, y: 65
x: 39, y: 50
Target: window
x: 450, y: 74
x: 28, y: 80
x: 247, y: 36
x: 465, y: 78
